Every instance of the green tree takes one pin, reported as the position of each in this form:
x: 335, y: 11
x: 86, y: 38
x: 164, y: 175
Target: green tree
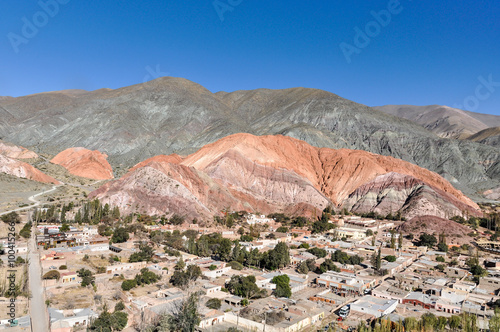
x: 282, y: 286
x: 180, y: 265
x: 244, y: 287
x: 119, y: 306
x: 440, y: 259
x: 214, y: 304
x: 52, y: 275
x: 87, y: 277
x: 303, y: 268
x: 278, y: 257
x: 146, y: 277
x: 428, y: 321
x: 282, y: 229
x: 145, y: 253
x: 454, y: 323
x: 318, y: 252
x: 120, y: 235
x: 441, y: 323
x: 185, y: 316
x: 178, y: 279
x: 494, y: 323
x: 376, y: 260
x: 26, y: 230
x: 12, y: 217
x: 176, y: 220
x: 224, y: 250
x: 427, y: 240
x: 193, y: 272
x: 107, y: 322
x: 64, y: 227
x: 128, y: 284
x: 443, y: 247
x: 390, y: 258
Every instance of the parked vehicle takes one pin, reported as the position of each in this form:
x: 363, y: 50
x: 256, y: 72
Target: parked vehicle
x: 344, y: 311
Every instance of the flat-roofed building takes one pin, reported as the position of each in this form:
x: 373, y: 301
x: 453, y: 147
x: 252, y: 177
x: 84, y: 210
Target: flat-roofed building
x: 374, y: 306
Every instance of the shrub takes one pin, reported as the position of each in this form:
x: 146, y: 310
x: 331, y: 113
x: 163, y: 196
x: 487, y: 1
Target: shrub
x: 128, y: 284
x: 236, y: 265
x: 63, y: 267
x: 52, y: 275
x: 119, y: 306
x: 390, y: 258
x: 213, y: 304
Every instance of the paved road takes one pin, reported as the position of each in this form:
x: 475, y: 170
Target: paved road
x: 38, y: 312
x: 32, y: 199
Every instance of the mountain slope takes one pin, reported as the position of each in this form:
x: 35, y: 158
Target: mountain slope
x: 84, y: 163
x: 21, y: 169
x: 16, y: 152
x: 173, y: 115
x: 490, y: 136
x: 444, y: 121
x: 268, y: 174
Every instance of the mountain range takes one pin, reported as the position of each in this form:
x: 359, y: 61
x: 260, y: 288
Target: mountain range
x: 281, y: 174
x: 174, y: 115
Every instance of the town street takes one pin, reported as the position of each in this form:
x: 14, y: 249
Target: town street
x: 38, y: 312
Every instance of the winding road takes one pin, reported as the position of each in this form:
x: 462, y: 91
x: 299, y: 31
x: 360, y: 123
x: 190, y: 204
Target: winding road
x: 32, y: 199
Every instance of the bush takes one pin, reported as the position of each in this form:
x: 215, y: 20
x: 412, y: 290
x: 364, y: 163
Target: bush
x: 26, y: 231
x: 236, y: 265
x: 304, y: 245
x: 213, y: 304
x: 390, y: 258
x: 318, y: 252
x: 52, y: 275
x: 63, y: 267
x: 119, y: 306
x: 128, y: 284
x: 440, y: 259
x: 120, y: 235
x: 11, y: 217
x: 212, y: 267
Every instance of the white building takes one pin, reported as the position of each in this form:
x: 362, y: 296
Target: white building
x: 253, y: 219
x: 79, y: 317
x: 374, y: 306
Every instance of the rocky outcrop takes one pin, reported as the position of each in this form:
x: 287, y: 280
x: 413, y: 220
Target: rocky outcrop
x: 279, y: 173
x: 85, y: 163
x: 456, y: 234
x: 167, y: 188
x: 16, y: 152
x: 23, y: 170
x: 393, y: 192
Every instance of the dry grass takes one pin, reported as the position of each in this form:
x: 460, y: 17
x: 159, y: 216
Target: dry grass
x: 22, y: 308
x: 72, y: 298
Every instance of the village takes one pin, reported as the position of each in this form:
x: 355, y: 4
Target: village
x: 252, y: 272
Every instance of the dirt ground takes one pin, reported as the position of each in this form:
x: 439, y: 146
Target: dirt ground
x: 21, y: 306
x: 21, y: 278
x: 71, y: 297
x: 14, y: 191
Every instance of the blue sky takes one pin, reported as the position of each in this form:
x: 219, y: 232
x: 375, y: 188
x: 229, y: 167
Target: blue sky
x: 417, y: 52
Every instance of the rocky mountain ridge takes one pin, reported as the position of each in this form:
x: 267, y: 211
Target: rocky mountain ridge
x: 269, y: 174
x: 173, y: 115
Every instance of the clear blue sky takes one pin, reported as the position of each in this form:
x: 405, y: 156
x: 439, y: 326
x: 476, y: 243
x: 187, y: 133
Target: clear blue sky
x: 431, y: 52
